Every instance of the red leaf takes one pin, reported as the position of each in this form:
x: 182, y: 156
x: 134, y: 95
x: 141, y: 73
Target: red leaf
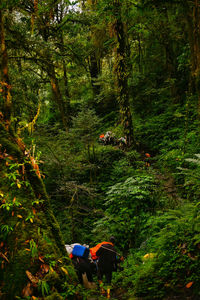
x: 45, y: 268
x: 188, y: 285
x: 40, y: 258
x: 28, y: 290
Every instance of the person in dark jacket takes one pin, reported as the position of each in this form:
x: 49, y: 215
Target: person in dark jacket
x: 107, y: 261
x: 83, y: 265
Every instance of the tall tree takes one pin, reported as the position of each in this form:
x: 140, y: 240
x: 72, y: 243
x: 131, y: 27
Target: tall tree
x: 30, y: 235
x: 192, y: 12
x: 121, y: 71
x: 5, y: 86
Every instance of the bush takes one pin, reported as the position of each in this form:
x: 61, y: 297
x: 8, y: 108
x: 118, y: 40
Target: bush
x: 128, y: 205
x: 175, y: 268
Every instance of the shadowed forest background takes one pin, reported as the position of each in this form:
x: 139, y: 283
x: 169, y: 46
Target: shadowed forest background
x: 71, y: 71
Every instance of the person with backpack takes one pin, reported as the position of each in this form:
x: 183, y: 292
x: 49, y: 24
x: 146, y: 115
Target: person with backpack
x: 102, y: 138
x: 107, y: 263
x: 147, y: 160
x: 83, y: 265
x: 122, y: 142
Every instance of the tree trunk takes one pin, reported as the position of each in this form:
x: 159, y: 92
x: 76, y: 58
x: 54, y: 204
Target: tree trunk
x: 96, y: 38
x: 67, y: 95
x: 196, y: 30
x: 4, y: 82
x: 193, y: 24
x: 63, y: 106
x: 58, y: 96
x: 121, y: 71
x: 94, y: 73
x: 30, y: 237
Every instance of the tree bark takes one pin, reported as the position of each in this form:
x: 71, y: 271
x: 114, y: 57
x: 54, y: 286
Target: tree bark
x: 57, y: 95
x: 30, y: 237
x: 196, y: 30
x: 95, y: 55
x: 67, y: 95
x: 4, y: 84
x: 121, y: 71
x: 94, y: 73
x: 192, y: 10
x: 63, y: 106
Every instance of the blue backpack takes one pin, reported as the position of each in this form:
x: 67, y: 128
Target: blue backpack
x: 80, y: 251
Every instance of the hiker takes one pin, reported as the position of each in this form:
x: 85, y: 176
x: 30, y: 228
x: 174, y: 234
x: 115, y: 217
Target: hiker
x: 70, y: 247
x: 83, y: 265
x: 93, y: 250
x: 107, y: 262
x: 109, y: 138
x: 122, y: 142
x: 102, y: 138
x: 147, y: 159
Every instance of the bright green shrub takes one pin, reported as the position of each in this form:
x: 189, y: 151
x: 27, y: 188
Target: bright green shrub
x: 106, y: 157
x: 128, y: 205
x: 176, y: 262
x: 191, y: 174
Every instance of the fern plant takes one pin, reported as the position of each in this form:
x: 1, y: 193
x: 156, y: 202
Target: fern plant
x: 192, y: 177
x: 174, y: 269
x: 127, y: 206
x: 43, y: 287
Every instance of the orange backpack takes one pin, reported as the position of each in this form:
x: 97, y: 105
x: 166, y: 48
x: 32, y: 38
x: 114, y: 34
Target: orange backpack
x: 94, y: 250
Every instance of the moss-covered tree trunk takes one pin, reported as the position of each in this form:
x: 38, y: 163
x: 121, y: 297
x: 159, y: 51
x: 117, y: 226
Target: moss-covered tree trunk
x: 33, y: 259
x: 57, y: 95
x: 67, y: 104
x: 94, y: 73
x: 97, y: 37
x: 30, y: 235
x: 121, y: 71
x: 196, y: 32
x: 192, y: 10
x: 62, y: 101
x: 5, y: 103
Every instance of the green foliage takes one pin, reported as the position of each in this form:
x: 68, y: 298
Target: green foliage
x: 175, y: 263
x: 128, y: 204
x: 191, y: 176
x: 9, y: 204
x: 84, y: 126
x: 13, y: 174
x: 43, y: 287
x: 107, y: 159
x: 54, y: 296
x: 33, y: 249
x: 126, y: 167
x: 5, y: 230
x: 104, y: 188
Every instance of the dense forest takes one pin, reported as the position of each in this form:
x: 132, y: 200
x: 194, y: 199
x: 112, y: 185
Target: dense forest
x: 100, y: 137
